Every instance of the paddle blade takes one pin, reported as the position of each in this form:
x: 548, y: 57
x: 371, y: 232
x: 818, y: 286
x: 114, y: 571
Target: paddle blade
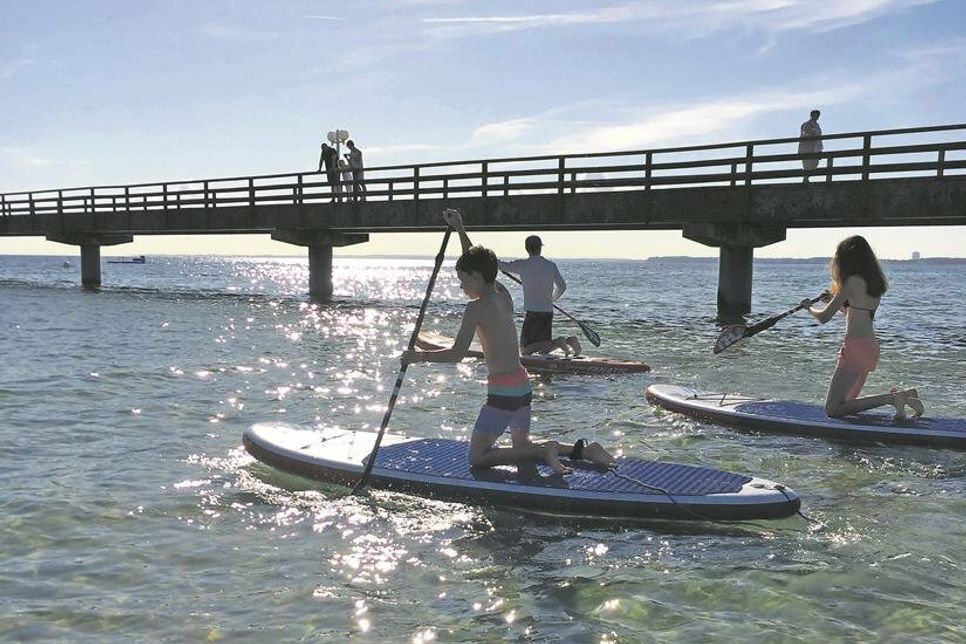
x: 590, y: 333
x: 729, y: 335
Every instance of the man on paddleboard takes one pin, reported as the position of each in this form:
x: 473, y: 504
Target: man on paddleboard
x: 489, y: 316
x: 542, y: 286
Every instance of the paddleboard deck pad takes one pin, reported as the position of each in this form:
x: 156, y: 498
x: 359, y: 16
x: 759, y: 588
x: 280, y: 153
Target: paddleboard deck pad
x: 544, y: 362
x: 790, y: 417
x: 438, y: 468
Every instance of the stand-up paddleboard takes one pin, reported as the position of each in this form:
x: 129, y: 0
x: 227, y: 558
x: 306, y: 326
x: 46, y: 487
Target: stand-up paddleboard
x: 544, y: 362
x: 438, y: 468
x: 790, y: 417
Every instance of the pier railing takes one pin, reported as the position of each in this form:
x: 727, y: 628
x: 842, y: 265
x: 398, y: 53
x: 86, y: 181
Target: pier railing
x: 934, y: 151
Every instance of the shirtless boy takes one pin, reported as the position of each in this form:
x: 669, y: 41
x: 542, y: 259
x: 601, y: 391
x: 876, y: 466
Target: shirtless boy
x: 489, y: 316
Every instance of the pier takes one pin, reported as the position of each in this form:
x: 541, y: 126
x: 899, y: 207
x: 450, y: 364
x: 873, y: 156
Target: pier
x: 735, y: 196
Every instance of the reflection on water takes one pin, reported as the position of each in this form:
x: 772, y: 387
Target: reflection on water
x: 128, y: 499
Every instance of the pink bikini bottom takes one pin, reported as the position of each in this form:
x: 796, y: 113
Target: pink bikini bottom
x: 859, y: 355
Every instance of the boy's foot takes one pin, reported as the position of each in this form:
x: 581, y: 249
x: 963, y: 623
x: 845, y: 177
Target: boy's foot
x: 551, y: 457
x: 597, y: 455
x: 575, y: 344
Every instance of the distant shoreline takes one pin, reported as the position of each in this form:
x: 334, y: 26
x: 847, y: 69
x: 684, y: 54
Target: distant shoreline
x: 663, y: 258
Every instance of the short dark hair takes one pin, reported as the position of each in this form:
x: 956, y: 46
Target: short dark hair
x: 815, y: 114
x: 480, y: 260
x: 533, y: 244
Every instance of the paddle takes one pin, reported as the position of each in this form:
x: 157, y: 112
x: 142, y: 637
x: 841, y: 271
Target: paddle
x: 731, y: 334
x: 402, y: 370
x: 590, y: 333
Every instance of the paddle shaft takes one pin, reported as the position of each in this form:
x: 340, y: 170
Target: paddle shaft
x: 590, y: 333
x: 402, y: 370
x: 770, y: 322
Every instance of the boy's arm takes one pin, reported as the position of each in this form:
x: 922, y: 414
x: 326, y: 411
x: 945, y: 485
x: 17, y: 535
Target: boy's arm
x: 454, y: 220
x: 513, y: 266
x: 460, y: 345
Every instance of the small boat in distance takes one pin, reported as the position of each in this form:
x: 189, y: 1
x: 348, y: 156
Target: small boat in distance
x: 134, y: 260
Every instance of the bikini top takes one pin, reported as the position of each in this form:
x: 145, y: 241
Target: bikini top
x: 860, y: 308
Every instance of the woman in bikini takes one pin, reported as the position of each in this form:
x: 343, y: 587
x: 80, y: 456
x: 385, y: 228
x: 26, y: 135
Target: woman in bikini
x: 857, y: 285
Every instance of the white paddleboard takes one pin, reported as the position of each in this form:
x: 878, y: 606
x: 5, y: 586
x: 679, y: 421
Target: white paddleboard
x: 438, y: 468
x: 791, y: 417
x: 545, y: 362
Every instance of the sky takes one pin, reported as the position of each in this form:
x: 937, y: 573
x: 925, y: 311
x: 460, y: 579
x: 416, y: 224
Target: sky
x: 113, y: 92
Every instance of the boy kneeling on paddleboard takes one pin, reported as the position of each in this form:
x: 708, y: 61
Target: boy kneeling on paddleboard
x: 489, y: 315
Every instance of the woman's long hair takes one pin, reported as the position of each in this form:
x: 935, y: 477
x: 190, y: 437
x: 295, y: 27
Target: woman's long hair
x: 854, y: 256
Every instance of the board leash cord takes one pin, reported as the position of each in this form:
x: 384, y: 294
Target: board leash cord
x: 670, y: 496
x: 721, y: 399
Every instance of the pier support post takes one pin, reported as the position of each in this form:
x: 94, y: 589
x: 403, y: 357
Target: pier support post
x: 320, y: 272
x: 320, y: 244
x: 90, y: 245
x: 735, y: 260
x: 90, y: 266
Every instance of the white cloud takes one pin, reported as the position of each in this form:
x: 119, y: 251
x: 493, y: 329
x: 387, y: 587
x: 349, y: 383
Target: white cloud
x: 317, y: 17
x: 11, y: 68
x: 22, y: 157
x: 497, y: 133
x: 694, y: 17
x: 225, y: 32
x: 402, y: 149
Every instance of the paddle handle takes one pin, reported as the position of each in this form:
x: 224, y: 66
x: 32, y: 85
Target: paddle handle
x: 402, y: 369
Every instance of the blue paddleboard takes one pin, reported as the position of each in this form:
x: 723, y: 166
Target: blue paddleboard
x: 438, y: 468
x: 790, y: 417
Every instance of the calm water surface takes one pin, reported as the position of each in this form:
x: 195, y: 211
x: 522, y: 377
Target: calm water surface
x: 130, y: 512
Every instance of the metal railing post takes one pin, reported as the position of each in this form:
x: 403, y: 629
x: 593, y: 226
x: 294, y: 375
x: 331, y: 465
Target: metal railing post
x: 941, y: 169
x: 205, y: 197
x: 446, y: 188
x: 829, y: 163
x: 251, y: 194
x: 93, y: 202
x: 866, y: 156
x: 392, y: 185
x: 506, y: 185
x: 561, y: 164
x: 416, y: 183
x: 749, y: 163
x: 648, y: 160
x: 485, y: 180
x: 127, y: 198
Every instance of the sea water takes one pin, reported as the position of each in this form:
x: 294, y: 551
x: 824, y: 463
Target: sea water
x: 130, y: 512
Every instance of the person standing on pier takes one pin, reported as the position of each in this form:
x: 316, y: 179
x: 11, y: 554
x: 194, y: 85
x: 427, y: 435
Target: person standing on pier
x: 810, y: 143
x: 358, y: 179
x: 542, y: 286
x: 330, y: 159
x: 346, y: 178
